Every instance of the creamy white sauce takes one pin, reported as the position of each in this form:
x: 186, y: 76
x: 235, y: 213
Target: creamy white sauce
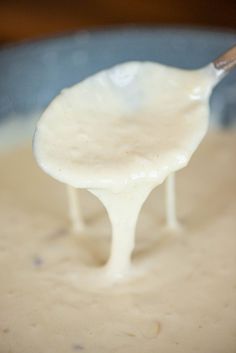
x: 119, y: 134
x: 185, y: 299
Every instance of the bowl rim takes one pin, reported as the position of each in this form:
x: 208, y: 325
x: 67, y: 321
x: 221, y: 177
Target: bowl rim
x: 116, y: 29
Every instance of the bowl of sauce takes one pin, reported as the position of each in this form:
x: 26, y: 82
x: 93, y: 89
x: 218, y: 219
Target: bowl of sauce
x: 180, y: 293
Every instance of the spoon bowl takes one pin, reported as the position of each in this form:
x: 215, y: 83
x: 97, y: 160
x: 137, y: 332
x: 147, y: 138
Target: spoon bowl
x: 125, y: 118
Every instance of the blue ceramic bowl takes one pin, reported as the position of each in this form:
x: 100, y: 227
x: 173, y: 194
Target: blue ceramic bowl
x: 32, y: 73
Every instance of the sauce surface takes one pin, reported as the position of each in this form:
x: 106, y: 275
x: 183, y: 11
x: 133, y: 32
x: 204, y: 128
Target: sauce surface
x: 185, y: 301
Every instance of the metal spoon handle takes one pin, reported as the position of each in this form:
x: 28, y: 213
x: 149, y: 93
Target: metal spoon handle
x: 225, y: 62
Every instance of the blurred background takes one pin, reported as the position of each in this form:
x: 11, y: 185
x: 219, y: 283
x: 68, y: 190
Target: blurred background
x: 28, y: 19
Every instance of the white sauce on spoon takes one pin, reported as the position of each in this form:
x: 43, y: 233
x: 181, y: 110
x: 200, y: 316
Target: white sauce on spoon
x: 122, y: 132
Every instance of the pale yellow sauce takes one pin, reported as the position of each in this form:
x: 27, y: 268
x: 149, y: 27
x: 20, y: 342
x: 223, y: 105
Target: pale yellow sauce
x: 185, y: 299
x: 119, y: 134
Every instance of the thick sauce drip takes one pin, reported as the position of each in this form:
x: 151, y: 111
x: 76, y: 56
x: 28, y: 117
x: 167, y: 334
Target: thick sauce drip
x: 185, y: 300
x: 119, y: 134
x: 75, y: 214
x: 123, y: 210
x: 171, y: 218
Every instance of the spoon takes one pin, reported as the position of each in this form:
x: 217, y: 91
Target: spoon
x: 225, y: 62
x: 142, y: 119
x: 221, y: 67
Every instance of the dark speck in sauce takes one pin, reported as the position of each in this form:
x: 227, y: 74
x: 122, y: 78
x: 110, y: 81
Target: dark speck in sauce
x: 77, y: 347
x: 37, y: 261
